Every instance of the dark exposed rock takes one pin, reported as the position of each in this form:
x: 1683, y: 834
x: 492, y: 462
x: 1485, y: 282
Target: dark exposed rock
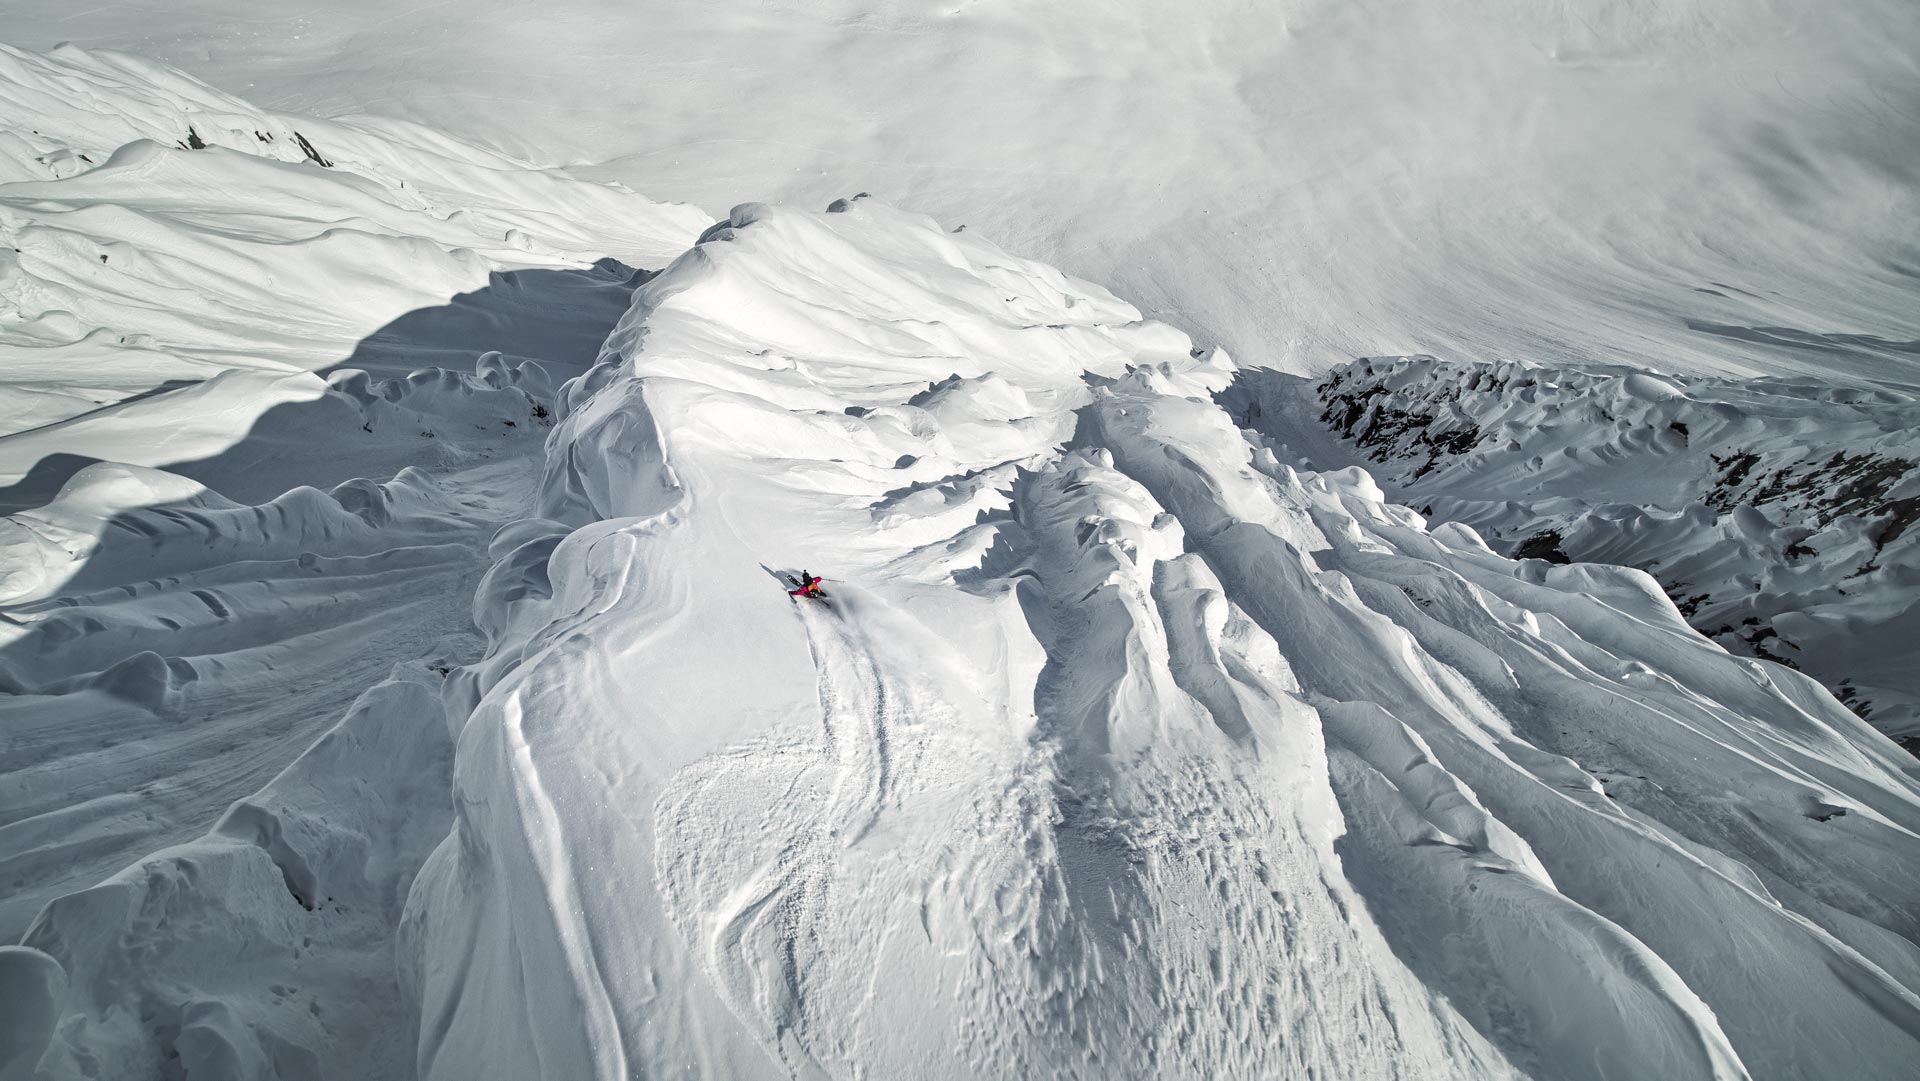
x: 312, y: 154
x: 1386, y: 433
x: 1543, y: 545
x: 1834, y: 473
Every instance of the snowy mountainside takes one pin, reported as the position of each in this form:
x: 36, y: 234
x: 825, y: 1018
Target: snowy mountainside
x: 1149, y: 756
x: 1780, y: 514
x: 443, y: 714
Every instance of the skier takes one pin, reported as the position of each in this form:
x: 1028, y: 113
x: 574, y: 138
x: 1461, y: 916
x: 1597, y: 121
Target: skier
x: 806, y: 585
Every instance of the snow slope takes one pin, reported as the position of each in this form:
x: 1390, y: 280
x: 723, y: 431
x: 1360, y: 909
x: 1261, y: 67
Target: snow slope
x: 1304, y: 181
x: 1121, y: 748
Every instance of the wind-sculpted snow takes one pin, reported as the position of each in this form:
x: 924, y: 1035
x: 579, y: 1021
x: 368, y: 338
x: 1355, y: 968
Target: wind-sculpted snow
x: 262, y: 950
x: 1118, y: 749
x: 1783, y: 516
x: 272, y: 386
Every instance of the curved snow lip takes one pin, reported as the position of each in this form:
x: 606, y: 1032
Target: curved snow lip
x: 273, y: 381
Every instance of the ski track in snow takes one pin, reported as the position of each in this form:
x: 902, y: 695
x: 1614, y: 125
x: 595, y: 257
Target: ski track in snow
x: 762, y: 934
x: 1124, y: 746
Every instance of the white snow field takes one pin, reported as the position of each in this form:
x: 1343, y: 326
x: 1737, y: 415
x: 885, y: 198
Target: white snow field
x: 400, y: 679
x: 1302, y: 181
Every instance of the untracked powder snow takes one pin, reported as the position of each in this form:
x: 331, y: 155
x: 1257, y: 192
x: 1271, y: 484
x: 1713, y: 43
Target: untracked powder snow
x: 1443, y: 605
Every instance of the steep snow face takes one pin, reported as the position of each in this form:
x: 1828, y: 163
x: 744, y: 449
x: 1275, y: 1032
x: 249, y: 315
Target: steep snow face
x: 1118, y: 748
x: 1305, y: 181
x: 1782, y: 516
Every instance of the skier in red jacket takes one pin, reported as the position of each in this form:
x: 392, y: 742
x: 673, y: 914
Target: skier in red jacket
x: 805, y: 586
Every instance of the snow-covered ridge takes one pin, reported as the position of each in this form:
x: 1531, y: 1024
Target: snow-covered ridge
x: 81, y: 106
x: 1148, y: 756
x: 130, y: 261
x: 1782, y: 515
